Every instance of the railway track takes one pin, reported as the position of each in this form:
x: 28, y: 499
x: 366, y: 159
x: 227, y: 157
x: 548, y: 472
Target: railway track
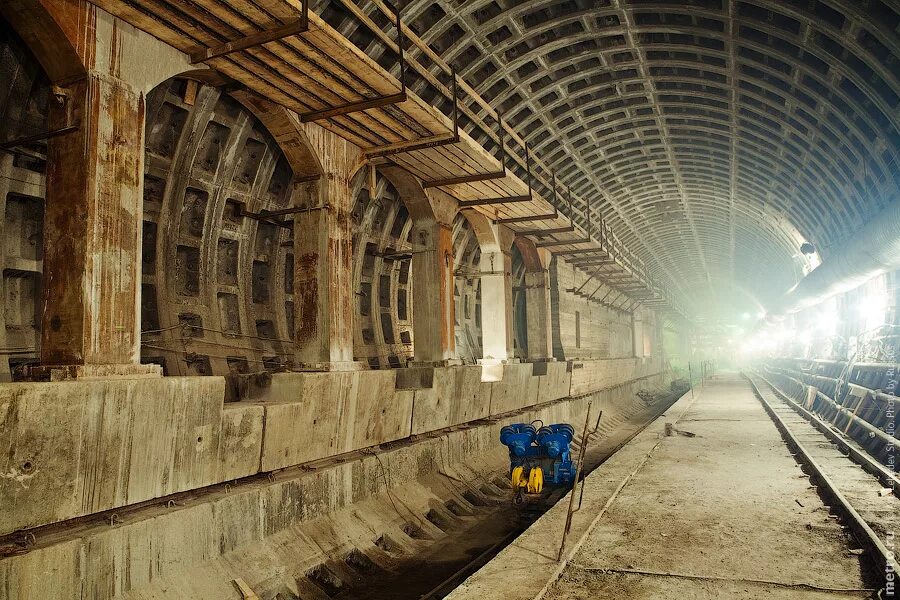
x: 864, y: 492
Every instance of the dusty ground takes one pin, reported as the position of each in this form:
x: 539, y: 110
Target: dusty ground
x: 727, y: 513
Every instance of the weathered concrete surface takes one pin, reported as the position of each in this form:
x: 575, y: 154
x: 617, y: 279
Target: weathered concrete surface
x: 316, y: 415
x: 433, y: 300
x: 323, y: 252
x: 75, y: 448
x: 537, y: 298
x: 193, y: 544
x: 104, y: 444
x: 591, y: 375
x: 94, y: 180
x: 83, y: 447
x: 495, y: 242
x: 92, y: 226
x: 457, y: 395
x: 243, y: 424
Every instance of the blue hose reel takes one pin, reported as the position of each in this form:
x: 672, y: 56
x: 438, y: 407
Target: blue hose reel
x: 540, y: 455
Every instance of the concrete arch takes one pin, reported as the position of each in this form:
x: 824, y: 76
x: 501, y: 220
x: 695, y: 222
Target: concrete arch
x: 538, y: 314
x: 284, y: 125
x: 382, y: 311
x: 496, y: 243
x: 534, y: 258
x: 203, y: 266
x: 432, y: 213
x: 43, y: 33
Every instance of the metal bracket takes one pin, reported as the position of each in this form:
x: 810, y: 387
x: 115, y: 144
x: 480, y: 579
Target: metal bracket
x: 478, y: 176
x: 552, y: 243
x: 583, y: 240
x: 580, y: 251
x: 506, y: 199
x: 490, y: 201
x: 336, y: 111
x: 293, y: 28
x: 592, y: 262
x: 442, y: 139
x: 547, y: 217
x: 543, y: 232
x: 69, y: 127
x: 8, y: 146
x: 271, y: 216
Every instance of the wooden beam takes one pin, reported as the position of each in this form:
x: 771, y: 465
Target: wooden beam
x: 550, y: 244
x: 526, y: 219
x: 295, y: 27
x: 490, y: 201
x: 336, y: 111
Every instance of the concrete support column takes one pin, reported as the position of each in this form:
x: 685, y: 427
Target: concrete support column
x: 323, y: 254
x: 90, y: 317
x: 537, y: 307
x: 432, y: 292
x: 496, y: 293
x: 91, y: 299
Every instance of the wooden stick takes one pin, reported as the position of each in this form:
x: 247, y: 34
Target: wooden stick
x: 562, y: 546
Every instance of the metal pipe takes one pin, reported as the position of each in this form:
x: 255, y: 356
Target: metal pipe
x: 872, y: 250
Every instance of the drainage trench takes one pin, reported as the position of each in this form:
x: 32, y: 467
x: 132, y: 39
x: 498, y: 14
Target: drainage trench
x: 473, y: 534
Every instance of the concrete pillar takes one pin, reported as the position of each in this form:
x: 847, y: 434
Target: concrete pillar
x: 323, y: 254
x: 496, y: 291
x: 91, y: 301
x: 92, y: 217
x: 432, y: 213
x: 537, y: 306
x: 432, y: 292
x: 637, y: 338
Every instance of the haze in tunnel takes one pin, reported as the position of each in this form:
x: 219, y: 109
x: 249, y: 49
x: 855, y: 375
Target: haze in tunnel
x: 340, y: 299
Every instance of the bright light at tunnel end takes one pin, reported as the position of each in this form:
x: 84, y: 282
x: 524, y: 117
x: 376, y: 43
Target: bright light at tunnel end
x: 821, y: 322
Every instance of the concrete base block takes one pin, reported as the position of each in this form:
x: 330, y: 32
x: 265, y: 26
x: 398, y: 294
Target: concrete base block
x: 92, y: 372
x: 350, y: 365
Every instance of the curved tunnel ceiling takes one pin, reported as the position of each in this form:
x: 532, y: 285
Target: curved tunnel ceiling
x: 715, y: 136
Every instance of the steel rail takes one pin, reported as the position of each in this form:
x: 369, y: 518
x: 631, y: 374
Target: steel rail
x: 864, y: 534
x: 866, y: 461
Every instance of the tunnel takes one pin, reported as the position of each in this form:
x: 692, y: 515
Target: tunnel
x: 464, y: 299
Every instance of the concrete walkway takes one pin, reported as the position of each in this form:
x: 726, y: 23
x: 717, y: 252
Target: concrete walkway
x: 726, y: 512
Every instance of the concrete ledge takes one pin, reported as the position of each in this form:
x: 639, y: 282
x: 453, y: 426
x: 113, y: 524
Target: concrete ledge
x: 107, y: 556
x: 76, y: 448
x: 592, y: 375
x: 315, y: 415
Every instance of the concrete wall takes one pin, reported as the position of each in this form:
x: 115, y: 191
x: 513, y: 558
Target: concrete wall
x: 161, y: 543
x: 75, y: 448
x: 600, y: 331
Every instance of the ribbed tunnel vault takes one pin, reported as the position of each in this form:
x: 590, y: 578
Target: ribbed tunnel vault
x: 281, y: 320
x: 716, y: 136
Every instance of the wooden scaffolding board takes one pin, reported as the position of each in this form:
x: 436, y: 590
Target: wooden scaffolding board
x: 318, y: 71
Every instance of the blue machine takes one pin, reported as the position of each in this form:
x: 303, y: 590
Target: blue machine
x: 538, y: 456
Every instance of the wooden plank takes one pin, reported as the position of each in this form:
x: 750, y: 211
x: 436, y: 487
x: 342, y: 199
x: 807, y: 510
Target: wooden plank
x: 321, y: 69
x: 256, y: 39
